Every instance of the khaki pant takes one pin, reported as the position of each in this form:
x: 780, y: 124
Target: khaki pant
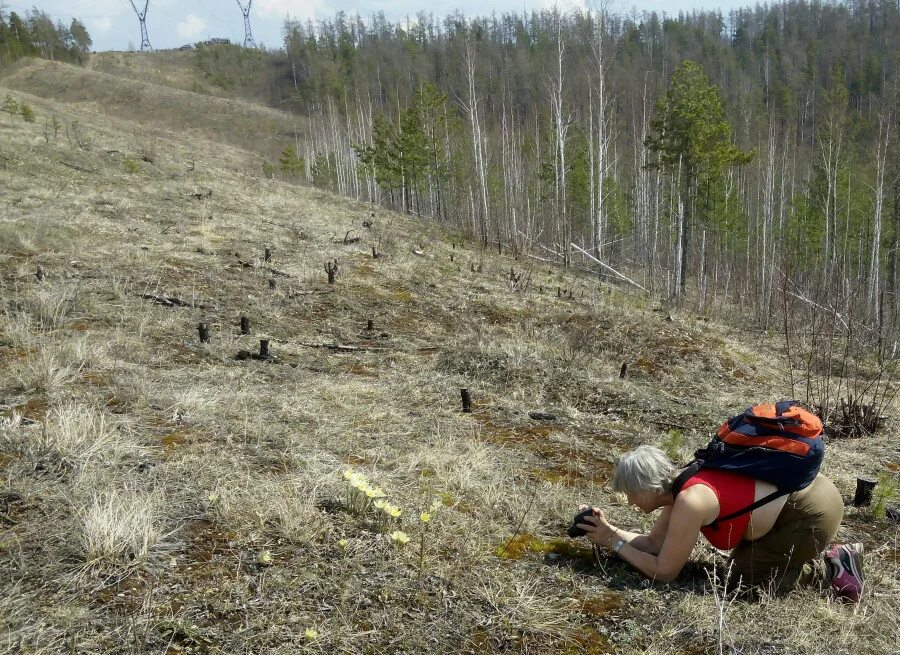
x: 789, y: 555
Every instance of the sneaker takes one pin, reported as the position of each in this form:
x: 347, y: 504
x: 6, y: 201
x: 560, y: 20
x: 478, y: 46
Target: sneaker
x: 844, y: 563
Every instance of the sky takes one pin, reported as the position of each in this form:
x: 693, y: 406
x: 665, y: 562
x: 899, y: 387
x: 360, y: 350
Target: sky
x: 171, y: 23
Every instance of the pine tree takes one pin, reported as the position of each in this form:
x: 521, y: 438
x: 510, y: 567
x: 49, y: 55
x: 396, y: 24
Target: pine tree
x: 10, y: 106
x: 289, y: 162
x: 27, y: 113
x: 692, y: 141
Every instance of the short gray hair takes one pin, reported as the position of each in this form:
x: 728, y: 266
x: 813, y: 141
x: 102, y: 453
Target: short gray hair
x: 646, y: 468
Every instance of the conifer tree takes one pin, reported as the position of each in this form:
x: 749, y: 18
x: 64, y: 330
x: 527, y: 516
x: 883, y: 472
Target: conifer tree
x: 289, y: 162
x: 692, y: 141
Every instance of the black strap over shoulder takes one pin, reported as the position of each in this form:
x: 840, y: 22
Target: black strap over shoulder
x: 694, y: 467
x: 690, y: 471
x: 778, y: 493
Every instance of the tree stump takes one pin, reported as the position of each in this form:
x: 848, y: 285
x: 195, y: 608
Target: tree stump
x: 331, y: 268
x: 264, y: 349
x: 272, y: 283
x: 623, y: 371
x: 268, y: 254
x: 245, y: 325
x: 370, y: 325
x: 863, y: 496
x: 203, y: 330
x: 40, y: 274
x: 466, y: 401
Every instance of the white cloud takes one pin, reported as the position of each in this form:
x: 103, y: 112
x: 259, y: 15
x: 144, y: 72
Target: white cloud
x: 565, y: 5
x: 191, y: 27
x: 292, y: 8
x: 100, y: 25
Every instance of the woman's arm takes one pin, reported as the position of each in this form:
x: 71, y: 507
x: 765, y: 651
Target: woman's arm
x: 681, y: 531
x: 648, y: 543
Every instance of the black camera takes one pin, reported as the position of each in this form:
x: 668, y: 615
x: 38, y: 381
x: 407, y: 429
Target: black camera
x: 574, y: 530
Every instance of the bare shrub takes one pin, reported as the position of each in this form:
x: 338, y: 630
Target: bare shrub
x: 118, y: 530
x: 846, y: 366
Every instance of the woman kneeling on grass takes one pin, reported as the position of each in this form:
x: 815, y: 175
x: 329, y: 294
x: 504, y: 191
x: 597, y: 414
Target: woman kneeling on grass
x: 777, y: 546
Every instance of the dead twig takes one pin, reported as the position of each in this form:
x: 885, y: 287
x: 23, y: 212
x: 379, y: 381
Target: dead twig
x: 171, y: 301
x: 337, y: 347
x: 79, y: 168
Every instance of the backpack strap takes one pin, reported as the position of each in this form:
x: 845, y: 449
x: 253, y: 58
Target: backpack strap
x: 765, y: 500
x: 690, y: 471
x: 694, y: 467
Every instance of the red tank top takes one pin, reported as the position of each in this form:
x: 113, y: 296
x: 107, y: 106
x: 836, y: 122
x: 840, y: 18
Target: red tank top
x: 735, y: 492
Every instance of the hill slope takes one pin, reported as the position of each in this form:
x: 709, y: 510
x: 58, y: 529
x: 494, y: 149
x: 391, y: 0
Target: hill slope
x: 176, y: 69
x: 164, y: 495
x: 153, y: 106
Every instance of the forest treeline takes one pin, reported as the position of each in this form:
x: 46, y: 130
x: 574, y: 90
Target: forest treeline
x: 750, y: 155
x: 744, y: 155
x: 36, y: 35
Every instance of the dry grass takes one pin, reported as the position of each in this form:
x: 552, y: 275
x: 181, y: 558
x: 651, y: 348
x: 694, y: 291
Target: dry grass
x: 164, y: 467
x: 118, y: 530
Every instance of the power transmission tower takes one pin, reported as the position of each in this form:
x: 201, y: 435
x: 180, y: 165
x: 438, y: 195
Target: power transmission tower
x: 142, y: 17
x: 248, y: 34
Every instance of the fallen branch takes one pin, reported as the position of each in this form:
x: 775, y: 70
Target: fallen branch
x: 342, y: 348
x: 171, y: 301
x: 668, y: 424
x: 79, y: 168
x: 312, y: 292
x: 815, y: 304
x: 606, y: 266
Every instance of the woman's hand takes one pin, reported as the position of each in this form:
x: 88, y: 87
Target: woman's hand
x: 597, y: 529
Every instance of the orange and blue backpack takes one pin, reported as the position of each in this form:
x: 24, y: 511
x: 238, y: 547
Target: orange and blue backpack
x: 779, y: 443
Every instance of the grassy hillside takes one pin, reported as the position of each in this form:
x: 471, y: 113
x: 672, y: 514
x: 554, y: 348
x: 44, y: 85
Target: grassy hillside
x: 162, y: 495
x: 173, y: 68
x: 156, y: 102
x: 225, y: 71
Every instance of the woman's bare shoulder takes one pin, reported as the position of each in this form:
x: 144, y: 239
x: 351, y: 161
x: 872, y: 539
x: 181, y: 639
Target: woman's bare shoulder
x: 697, y: 500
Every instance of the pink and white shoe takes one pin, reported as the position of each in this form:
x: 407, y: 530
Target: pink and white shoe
x: 844, y: 563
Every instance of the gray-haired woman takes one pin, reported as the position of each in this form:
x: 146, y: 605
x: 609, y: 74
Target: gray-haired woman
x: 778, y: 546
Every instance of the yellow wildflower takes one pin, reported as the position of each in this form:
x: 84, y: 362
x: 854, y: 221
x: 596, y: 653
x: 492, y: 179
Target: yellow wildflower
x: 349, y: 473
x: 424, y: 517
x: 399, y: 537
x: 395, y: 511
x: 343, y: 543
x: 311, y: 634
x: 265, y: 557
x: 380, y: 504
